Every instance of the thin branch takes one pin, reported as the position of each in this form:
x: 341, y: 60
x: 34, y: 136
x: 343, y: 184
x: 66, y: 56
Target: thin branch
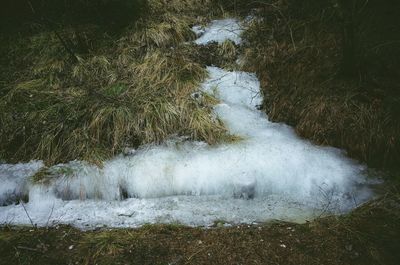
x: 30, y: 249
x: 198, y: 252
x: 31, y: 6
x: 27, y: 214
x: 51, y: 213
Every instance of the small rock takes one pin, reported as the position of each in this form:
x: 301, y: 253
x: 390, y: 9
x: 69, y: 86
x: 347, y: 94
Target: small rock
x: 282, y: 245
x: 71, y: 247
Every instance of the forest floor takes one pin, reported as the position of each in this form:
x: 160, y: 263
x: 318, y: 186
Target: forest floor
x: 368, y: 235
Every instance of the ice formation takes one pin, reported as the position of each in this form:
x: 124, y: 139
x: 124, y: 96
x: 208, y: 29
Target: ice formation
x: 219, y: 31
x: 270, y: 174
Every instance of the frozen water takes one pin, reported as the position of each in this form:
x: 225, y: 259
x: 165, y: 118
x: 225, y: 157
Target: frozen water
x: 270, y: 174
x: 219, y: 31
x: 13, y: 180
x: 196, y: 184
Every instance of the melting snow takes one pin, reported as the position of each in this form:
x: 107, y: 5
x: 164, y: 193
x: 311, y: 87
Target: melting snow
x: 219, y: 31
x: 270, y: 174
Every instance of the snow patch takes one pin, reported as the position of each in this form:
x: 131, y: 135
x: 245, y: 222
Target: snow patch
x: 219, y: 31
x: 270, y: 174
x: 14, y: 180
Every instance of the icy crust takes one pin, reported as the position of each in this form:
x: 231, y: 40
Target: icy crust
x: 14, y: 181
x: 219, y: 31
x: 270, y: 174
x: 191, y: 211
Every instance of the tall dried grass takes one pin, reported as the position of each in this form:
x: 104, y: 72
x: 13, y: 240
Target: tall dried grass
x: 119, y: 93
x: 298, y: 60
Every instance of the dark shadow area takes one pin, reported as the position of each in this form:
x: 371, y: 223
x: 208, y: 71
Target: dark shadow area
x: 23, y: 15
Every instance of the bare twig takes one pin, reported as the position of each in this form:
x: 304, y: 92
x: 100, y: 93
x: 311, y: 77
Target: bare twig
x: 27, y: 214
x: 194, y: 254
x: 51, y: 213
x: 30, y: 249
x: 31, y: 6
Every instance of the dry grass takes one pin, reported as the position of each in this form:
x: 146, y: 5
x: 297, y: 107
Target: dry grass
x: 222, y: 55
x: 298, y: 59
x: 167, y: 32
x: 118, y: 93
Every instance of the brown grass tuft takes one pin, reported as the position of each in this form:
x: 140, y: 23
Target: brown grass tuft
x: 298, y: 59
x: 116, y: 92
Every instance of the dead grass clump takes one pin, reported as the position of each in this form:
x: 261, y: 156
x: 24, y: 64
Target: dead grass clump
x: 47, y: 174
x: 228, y: 49
x: 191, y: 8
x: 228, y: 53
x: 106, y: 243
x: 222, y: 55
x: 164, y: 32
x: 298, y: 60
x: 120, y: 93
x: 93, y: 123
